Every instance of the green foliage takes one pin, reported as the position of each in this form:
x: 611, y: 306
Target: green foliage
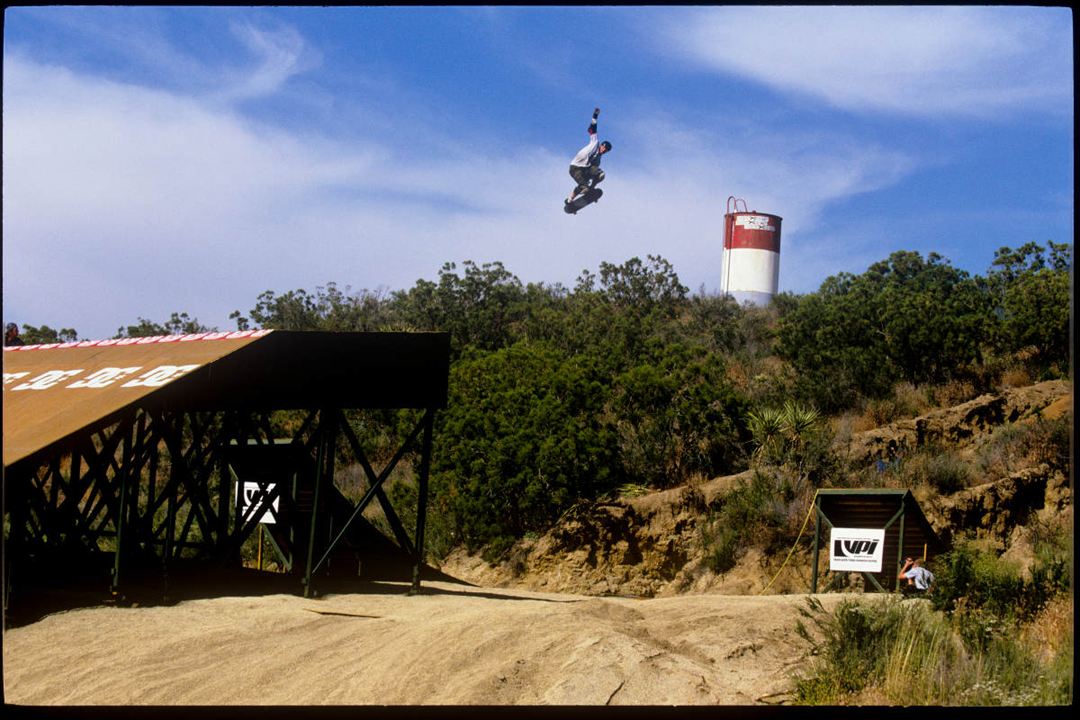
x: 1014, y: 446
x: 676, y: 417
x: 850, y: 647
x: 439, y: 539
x: 177, y: 324
x: 562, y: 394
x: 831, y: 340
x: 987, y: 596
x: 909, y: 654
x: 1032, y: 301
x: 520, y: 441
x: 923, y: 321
x: 942, y: 470
x: 1053, y: 547
x: 715, y: 321
x: 767, y: 427
x: 328, y: 308
x: 45, y: 335
x: 905, y: 318
x: 620, y: 318
x: 753, y: 512
x: 796, y: 439
x: 481, y: 308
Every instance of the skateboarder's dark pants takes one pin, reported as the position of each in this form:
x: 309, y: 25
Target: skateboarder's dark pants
x: 583, y: 175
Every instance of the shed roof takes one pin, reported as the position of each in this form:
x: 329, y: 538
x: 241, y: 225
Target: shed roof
x: 52, y: 392
x: 874, y: 508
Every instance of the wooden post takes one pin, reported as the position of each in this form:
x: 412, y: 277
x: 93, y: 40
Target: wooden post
x: 900, y: 550
x: 320, y: 458
x: 421, y: 506
x: 817, y: 537
x: 122, y: 509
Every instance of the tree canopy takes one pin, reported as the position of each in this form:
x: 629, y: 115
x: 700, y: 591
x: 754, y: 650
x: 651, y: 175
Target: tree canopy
x: 561, y: 394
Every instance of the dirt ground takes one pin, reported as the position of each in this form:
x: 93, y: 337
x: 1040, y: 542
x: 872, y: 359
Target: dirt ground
x: 452, y: 644
x: 509, y: 638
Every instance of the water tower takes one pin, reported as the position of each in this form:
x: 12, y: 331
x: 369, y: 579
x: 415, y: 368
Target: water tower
x: 751, y: 261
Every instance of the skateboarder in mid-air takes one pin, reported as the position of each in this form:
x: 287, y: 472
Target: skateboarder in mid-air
x: 585, y: 167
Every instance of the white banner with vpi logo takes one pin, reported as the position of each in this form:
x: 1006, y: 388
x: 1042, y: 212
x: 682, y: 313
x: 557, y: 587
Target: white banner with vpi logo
x: 856, y: 549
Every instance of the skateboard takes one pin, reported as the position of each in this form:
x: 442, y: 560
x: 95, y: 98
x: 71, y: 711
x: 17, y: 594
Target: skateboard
x: 589, y: 196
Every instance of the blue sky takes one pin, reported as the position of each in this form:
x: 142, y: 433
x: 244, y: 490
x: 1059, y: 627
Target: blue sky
x: 161, y: 159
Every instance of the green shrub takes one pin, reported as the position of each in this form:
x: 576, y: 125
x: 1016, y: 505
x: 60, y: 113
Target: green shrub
x: 968, y: 578
x: 676, y: 416
x: 946, y: 473
x: 850, y: 648
x: 1052, y: 543
x: 795, y: 438
x: 753, y: 512
x: 1050, y: 442
x: 521, y: 439
x: 911, y: 654
x: 932, y: 466
x: 721, y: 544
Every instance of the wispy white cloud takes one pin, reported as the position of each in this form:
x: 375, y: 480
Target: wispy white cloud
x: 922, y: 61
x: 230, y: 55
x: 122, y: 201
x: 276, y: 56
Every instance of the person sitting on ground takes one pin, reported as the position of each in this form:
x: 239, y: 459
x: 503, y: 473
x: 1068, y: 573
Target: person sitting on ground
x: 919, y: 579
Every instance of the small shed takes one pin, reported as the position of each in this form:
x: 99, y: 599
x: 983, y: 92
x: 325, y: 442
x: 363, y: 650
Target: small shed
x: 907, y: 532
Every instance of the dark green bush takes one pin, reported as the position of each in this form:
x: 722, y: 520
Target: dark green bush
x: 521, y: 440
x: 677, y: 417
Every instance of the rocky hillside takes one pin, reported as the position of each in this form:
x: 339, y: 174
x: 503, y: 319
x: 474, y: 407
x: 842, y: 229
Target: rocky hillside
x: 651, y: 545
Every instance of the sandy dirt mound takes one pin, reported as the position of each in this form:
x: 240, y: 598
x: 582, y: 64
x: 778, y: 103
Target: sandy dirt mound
x: 453, y: 644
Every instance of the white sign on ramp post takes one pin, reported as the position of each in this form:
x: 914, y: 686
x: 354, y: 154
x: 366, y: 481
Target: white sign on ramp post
x: 856, y: 549
x: 250, y: 493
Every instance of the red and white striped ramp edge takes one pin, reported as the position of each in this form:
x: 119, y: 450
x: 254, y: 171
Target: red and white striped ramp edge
x: 235, y: 335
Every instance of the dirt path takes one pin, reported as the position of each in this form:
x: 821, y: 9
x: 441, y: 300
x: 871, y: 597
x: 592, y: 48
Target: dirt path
x: 453, y: 644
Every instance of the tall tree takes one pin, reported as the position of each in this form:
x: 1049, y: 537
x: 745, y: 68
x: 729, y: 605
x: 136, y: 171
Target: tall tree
x: 1032, y: 300
x: 905, y: 318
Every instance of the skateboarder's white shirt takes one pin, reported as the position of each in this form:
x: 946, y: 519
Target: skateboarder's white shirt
x: 585, y: 153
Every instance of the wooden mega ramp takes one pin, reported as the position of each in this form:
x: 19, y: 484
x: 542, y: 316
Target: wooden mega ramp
x: 52, y: 392
x: 136, y: 447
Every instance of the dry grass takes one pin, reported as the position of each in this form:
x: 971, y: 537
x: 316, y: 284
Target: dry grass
x: 857, y: 422
x: 1051, y: 629
x: 954, y: 392
x: 1018, y: 376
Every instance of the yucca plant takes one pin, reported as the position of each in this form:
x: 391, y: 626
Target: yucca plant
x: 791, y: 437
x: 798, y: 420
x: 767, y: 428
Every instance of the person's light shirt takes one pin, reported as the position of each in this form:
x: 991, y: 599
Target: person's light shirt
x: 922, y: 577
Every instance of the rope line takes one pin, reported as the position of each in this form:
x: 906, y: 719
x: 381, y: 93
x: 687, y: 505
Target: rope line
x: 813, y: 505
